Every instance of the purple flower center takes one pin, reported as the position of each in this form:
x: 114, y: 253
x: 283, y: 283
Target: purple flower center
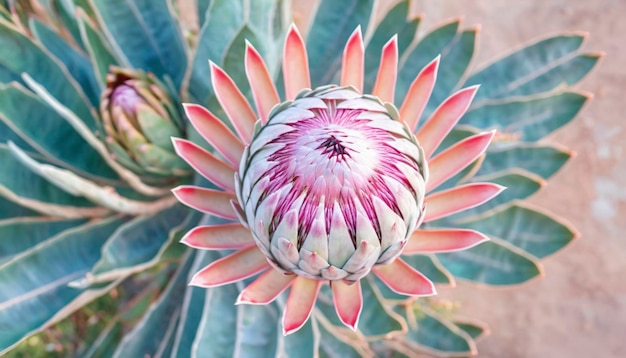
x: 126, y: 96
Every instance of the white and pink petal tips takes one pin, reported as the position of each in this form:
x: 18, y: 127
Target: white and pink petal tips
x: 460, y: 198
x: 348, y: 301
x: 215, y: 132
x: 418, y: 94
x: 265, y: 288
x: 234, y: 103
x: 208, y: 201
x: 295, y: 64
x: 432, y: 133
x: 385, y: 84
x: 219, y: 237
x: 404, y: 279
x: 206, y: 164
x: 300, y: 303
x: 261, y: 85
x: 232, y: 268
x: 442, y: 240
x: 352, y: 66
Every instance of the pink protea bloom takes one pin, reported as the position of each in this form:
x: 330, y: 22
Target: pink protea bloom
x: 329, y: 185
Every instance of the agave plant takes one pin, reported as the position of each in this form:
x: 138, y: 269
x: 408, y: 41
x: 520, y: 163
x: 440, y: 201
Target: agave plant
x: 87, y: 212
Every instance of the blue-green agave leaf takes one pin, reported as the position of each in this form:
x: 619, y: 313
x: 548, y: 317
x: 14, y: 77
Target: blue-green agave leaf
x: 34, y: 290
x: 529, y: 118
x: 21, y: 234
x: 146, y: 35
x: 429, y: 266
x: 493, y: 262
x: 536, y: 68
x: 201, y: 7
x: 303, y: 343
x: 156, y: 328
x: 100, y: 53
x: 19, y: 54
x: 11, y: 210
x: 333, y: 23
x: 529, y: 229
x: 74, y: 61
x: 473, y: 329
x: 541, y: 159
x: 41, y: 127
x: 257, y: 331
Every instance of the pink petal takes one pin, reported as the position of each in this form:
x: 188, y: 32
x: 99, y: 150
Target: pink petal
x: 352, y: 65
x: 444, y: 119
x: 348, y: 302
x: 442, y: 240
x: 233, y: 103
x: 205, y: 163
x: 208, y: 201
x: 404, y: 279
x: 385, y: 84
x: 266, y: 288
x: 454, y: 159
x: 263, y: 90
x: 215, y: 132
x: 451, y: 201
x: 232, y: 268
x: 295, y: 64
x: 219, y: 237
x: 300, y: 303
x: 418, y: 94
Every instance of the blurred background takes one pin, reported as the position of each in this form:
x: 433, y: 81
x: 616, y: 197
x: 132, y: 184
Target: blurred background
x: 578, y: 309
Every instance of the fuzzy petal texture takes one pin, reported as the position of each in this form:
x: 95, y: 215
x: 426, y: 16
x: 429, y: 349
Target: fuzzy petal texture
x: 300, y: 303
x: 460, y: 198
x: 404, y: 279
x: 348, y: 302
x: 442, y: 240
x: 232, y: 268
x: 266, y: 288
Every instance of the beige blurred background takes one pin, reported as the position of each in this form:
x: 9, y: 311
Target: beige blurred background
x: 579, y: 308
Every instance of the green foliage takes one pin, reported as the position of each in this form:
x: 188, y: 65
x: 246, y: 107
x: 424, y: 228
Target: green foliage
x: 76, y: 227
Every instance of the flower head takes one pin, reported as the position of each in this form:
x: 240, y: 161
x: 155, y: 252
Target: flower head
x: 330, y: 184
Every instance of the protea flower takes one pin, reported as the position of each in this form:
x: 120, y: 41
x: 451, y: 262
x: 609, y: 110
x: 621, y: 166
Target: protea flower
x: 328, y: 185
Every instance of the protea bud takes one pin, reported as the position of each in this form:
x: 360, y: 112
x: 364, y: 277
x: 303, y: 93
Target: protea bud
x: 332, y: 184
x: 139, y: 117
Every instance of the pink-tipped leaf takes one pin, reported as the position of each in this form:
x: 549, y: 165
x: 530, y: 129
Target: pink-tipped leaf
x: 234, y: 103
x: 263, y: 89
x: 451, y: 201
x: 205, y: 163
x: 295, y: 64
x: 348, y: 302
x: 219, y: 237
x: 208, y: 201
x: 353, y: 59
x: 266, y: 288
x: 401, y: 278
x: 437, y: 127
x: 300, y: 303
x: 232, y: 268
x: 385, y: 84
x: 418, y: 94
x: 454, y: 159
x: 215, y: 132
x: 442, y: 240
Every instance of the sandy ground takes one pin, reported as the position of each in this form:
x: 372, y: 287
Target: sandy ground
x: 579, y: 308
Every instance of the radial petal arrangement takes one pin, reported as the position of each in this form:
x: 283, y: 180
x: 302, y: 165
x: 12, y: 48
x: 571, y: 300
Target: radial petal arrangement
x: 330, y: 185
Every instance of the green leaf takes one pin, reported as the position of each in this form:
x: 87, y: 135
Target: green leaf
x: 157, y: 326
x: 74, y: 61
x: 376, y: 319
x: 11, y: 210
x: 493, y: 263
x: 34, y: 121
x: 234, y: 58
x: 473, y: 329
x: 257, y: 331
x: 455, y: 60
x: 429, y: 266
x: 533, y: 69
x: 216, y: 335
x: 532, y: 231
x: 529, y: 118
x: 21, y: 234
x: 396, y: 21
x: 436, y: 334
x: 223, y: 17
x: 66, y: 12
x: 332, y: 347
x: 541, y: 159
x: 305, y: 342
x: 139, y: 241
x: 18, y: 54
x: 17, y: 182
x: 34, y: 288
x: 8, y: 135
x: 146, y: 35
x: 432, y: 45
x: 201, y: 7
x: 333, y: 23
x: 100, y: 53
